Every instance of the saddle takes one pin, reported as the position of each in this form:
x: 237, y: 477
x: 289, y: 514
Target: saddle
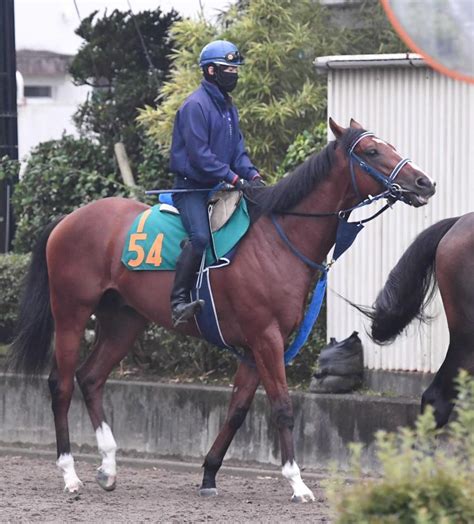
x: 222, y: 205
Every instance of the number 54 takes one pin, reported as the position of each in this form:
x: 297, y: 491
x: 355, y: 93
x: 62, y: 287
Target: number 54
x: 154, y: 254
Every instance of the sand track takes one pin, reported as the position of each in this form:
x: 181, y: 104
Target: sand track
x: 31, y: 491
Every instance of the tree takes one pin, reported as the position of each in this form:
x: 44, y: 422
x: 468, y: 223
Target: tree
x: 113, y: 60
x: 369, y: 32
x: 279, y: 93
x: 60, y: 176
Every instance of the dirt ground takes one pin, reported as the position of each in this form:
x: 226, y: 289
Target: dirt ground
x: 31, y: 491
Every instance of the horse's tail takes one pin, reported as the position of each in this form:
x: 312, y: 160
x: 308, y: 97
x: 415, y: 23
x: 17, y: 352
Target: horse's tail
x: 410, y: 285
x: 29, y: 352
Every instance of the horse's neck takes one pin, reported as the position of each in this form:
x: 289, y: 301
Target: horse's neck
x: 315, y: 236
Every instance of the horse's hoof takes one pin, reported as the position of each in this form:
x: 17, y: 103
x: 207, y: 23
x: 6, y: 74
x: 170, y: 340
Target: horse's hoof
x: 307, y: 497
x: 73, y: 488
x: 107, y: 482
x: 208, y: 492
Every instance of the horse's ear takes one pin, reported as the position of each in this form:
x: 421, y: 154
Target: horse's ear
x: 355, y: 124
x: 335, y: 128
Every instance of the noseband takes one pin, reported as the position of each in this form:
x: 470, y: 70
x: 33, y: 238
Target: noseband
x: 391, y: 188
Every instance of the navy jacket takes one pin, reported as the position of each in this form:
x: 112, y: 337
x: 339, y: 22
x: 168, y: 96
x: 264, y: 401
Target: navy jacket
x: 207, y: 145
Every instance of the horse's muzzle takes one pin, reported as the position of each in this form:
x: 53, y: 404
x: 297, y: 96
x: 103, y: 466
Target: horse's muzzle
x: 421, y: 191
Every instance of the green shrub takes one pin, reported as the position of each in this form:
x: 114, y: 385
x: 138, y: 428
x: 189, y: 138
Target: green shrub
x: 9, y: 169
x: 12, y: 269
x: 279, y: 94
x: 166, y: 354
x: 424, y: 481
x: 152, y: 172
x: 302, y: 147
x: 169, y: 354
x: 60, y: 176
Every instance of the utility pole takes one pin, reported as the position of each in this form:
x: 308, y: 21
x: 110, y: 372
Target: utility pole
x: 8, y: 115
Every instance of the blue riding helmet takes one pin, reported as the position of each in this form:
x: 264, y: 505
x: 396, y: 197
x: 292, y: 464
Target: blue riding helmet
x: 220, y: 52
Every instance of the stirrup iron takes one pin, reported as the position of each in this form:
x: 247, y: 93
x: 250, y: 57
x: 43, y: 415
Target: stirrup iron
x: 182, y: 313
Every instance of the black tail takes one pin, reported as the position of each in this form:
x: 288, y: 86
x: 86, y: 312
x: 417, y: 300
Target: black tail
x: 410, y: 285
x: 30, y: 349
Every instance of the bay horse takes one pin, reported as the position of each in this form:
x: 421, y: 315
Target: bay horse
x: 442, y: 254
x: 76, y: 271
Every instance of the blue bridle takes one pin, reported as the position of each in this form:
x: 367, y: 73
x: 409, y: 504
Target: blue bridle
x: 391, y: 188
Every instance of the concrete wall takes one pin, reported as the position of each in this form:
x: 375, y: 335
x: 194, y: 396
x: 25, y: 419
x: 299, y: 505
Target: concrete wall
x: 183, y: 421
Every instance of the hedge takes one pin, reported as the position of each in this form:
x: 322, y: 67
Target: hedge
x: 12, y: 270
x: 60, y: 176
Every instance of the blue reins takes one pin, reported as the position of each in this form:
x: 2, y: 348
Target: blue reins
x: 345, y: 236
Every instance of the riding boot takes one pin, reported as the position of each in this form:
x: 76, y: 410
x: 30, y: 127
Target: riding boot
x: 187, y: 266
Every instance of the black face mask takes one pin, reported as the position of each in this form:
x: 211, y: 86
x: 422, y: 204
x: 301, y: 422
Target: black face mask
x: 225, y: 80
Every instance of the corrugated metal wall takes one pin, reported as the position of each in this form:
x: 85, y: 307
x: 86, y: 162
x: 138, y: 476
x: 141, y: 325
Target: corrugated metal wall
x: 430, y: 119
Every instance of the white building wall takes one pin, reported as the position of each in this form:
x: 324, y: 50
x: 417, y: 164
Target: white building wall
x: 429, y: 118
x: 47, y: 118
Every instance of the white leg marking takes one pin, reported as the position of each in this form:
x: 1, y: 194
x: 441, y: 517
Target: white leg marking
x: 65, y: 463
x: 107, y: 447
x: 301, y: 492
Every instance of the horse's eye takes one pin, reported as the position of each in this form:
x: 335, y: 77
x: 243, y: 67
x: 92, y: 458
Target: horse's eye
x: 371, y: 152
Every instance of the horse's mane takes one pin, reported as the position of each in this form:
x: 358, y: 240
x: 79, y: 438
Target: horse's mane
x: 292, y: 188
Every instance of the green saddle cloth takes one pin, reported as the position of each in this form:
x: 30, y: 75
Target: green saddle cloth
x: 154, y: 240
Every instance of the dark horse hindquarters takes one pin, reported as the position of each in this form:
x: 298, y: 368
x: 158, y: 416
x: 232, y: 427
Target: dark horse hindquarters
x: 442, y: 254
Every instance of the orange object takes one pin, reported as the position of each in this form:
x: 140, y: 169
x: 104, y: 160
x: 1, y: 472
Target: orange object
x: 414, y: 47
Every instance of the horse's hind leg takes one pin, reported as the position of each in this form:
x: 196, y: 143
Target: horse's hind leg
x: 118, y: 327
x: 69, y: 329
x: 441, y: 393
x: 245, y: 384
x: 456, y: 285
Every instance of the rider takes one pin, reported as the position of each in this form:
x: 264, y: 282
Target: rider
x: 207, y: 148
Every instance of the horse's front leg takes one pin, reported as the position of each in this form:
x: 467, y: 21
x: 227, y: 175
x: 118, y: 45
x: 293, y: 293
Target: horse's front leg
x: 268, y: 352
x: 245, y: 384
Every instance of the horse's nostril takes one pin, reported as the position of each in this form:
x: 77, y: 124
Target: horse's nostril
x: 424, y: 182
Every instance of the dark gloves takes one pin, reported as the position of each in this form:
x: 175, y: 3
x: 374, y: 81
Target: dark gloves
x: 242, y: 184
x: 257, y: 182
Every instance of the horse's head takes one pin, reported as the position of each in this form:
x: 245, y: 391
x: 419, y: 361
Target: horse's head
x: 376, y: 166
